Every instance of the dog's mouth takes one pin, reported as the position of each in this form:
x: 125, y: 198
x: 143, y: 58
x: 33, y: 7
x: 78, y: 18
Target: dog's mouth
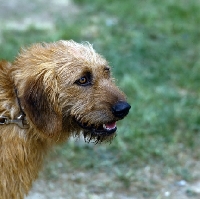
x: 106, y: 129
x: 100, y: 133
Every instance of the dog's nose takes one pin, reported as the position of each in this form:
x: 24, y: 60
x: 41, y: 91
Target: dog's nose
x: 120, y: 109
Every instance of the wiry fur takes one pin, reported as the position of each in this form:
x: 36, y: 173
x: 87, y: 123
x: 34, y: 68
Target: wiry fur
x: 45, y: 76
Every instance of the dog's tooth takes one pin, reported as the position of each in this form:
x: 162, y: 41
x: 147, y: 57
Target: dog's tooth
x: 104, y: 126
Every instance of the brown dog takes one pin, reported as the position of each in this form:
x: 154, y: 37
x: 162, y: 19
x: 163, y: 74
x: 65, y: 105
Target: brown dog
x: 51, y: 92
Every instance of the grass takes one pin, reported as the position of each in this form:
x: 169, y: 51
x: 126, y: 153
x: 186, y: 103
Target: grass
x: 154, y: 48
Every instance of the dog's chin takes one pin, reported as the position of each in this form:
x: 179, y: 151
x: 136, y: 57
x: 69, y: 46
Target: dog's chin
x: 100, y: 133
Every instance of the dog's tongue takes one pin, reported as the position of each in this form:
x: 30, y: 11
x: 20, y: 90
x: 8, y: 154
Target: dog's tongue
x: 111, y: 125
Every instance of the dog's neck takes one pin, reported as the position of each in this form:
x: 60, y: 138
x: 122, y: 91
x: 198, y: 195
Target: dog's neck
x: 22, y: 150
x: 20, y: 120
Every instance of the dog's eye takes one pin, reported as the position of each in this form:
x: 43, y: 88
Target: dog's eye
x: 83, y: 81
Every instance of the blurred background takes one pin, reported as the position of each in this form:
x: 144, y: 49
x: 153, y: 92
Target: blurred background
x: 153, y: 47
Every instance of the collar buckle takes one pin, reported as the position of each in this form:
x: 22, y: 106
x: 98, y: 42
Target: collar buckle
x: 20, y: 121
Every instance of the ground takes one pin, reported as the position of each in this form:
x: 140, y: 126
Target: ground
x: 91, y: 183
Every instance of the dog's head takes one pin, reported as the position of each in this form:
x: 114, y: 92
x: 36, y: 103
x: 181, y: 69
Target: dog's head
x: 66, y: 88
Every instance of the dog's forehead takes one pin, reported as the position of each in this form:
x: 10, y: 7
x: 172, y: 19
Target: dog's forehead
x: 91, y: 60
x: 94, y: 69
x: 84, y: 52
x: 95, y: 66
x: 77, y: 59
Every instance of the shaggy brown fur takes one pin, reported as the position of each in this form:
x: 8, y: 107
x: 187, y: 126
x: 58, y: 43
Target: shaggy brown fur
x: 62, y: 89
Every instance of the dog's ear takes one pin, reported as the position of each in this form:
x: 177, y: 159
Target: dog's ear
x: 40, y: 101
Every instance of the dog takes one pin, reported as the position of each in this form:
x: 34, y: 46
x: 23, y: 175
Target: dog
x: 50, y: 92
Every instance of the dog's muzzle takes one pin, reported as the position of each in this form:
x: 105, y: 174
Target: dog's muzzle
x: 119, y: 110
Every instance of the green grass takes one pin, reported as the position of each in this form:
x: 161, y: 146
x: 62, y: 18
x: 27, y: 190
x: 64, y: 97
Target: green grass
x: 153, y: 47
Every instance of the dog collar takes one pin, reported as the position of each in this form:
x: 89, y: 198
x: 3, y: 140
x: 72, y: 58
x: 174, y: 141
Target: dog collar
x: 20, y: 120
